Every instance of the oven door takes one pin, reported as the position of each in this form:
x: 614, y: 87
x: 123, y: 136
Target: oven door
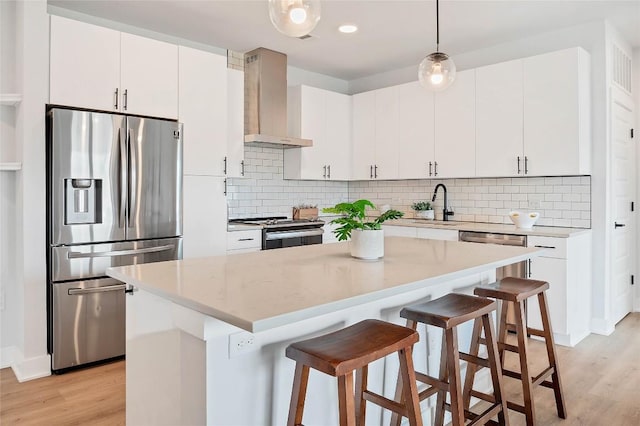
x: 291, y: 238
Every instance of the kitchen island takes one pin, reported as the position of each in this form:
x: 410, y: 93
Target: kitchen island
x: 206, y: 337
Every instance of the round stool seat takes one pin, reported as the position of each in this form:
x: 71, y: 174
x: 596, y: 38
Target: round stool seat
x: 350, y: 348
x: 449, y: 311
x: 512, y: 289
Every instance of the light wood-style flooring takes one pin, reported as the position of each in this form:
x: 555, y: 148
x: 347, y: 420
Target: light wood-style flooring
x: 601, y: 379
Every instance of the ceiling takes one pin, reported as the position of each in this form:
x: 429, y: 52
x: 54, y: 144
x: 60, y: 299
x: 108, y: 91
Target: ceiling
x: 392, y: 33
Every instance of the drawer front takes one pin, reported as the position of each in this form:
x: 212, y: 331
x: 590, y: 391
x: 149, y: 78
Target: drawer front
x: 556, y: 247
x: 244, y: 239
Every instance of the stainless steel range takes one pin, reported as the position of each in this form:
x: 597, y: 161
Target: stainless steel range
x: 280, y: 232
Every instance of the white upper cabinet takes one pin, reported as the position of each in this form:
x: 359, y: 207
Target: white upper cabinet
x: 235, y: 123
x: 499, y: 120
x: 364, y: 133
x: 556, y: 113
x: 386, y: 137
x: 85, y: 65
x: 416, y: 149
x: 98, y: 68
x: 324, y: 117
x: 203, y: 111
x: 455, y: 128
x: 149, y: 76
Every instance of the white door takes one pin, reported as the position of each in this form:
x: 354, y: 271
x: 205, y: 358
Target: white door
x: 623, y: 189
x: 364, y: 154
x: 415, y: 131
x: 386, y: 123
x: 203, y: 111
x: 149, y: 75
x: 235, y: 123
x: 205, y: 217
x: 85, y: 65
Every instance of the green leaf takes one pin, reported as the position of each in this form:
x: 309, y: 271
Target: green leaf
x: 354, y: 216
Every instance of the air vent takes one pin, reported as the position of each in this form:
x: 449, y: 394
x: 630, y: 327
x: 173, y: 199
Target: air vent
x: 621, y: 69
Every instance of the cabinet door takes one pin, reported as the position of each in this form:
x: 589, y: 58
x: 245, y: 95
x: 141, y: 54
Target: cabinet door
x: 386, y: 137
x: 205, y: 217
x: 499, y: 120
x: 235, y: 123
x: 554, y: 271
x: 364, y: 131
x: 203, y: 111
x: 85, y: 65
x: 338, y: 136
x: 554, y: 109
x: 415, y: 131
x: 149, y: 75
x: 455, y: 128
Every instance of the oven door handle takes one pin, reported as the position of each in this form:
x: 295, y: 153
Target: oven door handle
x: 281, y: 235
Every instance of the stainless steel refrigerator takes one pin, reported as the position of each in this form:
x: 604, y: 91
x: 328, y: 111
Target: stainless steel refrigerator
x: 114, y: 197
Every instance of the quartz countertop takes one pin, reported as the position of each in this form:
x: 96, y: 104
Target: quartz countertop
x: 541, y: 231
x: 262, y: 290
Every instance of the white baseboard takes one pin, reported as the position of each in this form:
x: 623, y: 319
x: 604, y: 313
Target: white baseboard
x: 9, y: 356
x: 602, y: 326
x: 32, y: 368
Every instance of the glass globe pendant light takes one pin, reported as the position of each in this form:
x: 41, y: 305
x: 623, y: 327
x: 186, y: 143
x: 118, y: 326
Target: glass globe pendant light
x: 437, y: 70
x: 295, y: 18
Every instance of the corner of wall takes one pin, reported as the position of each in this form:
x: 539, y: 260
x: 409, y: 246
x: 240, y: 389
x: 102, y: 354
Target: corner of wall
x: 32, y: 368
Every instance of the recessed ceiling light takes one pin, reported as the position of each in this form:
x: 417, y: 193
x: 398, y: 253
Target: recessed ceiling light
x: 348, y: 28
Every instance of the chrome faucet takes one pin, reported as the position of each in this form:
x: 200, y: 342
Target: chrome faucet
x: 445, y: 211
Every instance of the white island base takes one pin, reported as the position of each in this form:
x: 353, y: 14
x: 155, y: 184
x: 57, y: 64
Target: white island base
x: 186, y: 367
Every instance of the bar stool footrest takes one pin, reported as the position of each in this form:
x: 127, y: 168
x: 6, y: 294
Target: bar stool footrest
x: 508, y: 347
x: 515, y: 406
x: 384, y: 402
x: 483, y: 362
x: 483, y: 396
x: 542, y: 376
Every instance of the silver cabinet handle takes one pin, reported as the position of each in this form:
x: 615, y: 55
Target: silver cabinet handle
x: 80, y: 291
x: 375, y: 171
x: 526, y: 165
x: 225, y: 187
x: 370, y: 172
x: 547, y: 247
x: 242, y: 168
x: 518, y: 164
x: 435, y: 168
x: 115, y: 253
x: 324, y: 173
x: 619, y: 225
x: 529, y: 268
x: 329, y: 172
x: 125, y: 95
x: 225, y: 165
x: 430, y: 165
x: 246, y: 239
x: 115, y: 103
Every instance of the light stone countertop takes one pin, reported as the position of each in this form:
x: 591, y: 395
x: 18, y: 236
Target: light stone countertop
x: 541, y: 231
x: 267, y: 289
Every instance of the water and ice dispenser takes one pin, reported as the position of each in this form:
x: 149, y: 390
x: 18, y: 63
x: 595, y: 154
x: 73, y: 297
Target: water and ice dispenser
x: 83, y: 201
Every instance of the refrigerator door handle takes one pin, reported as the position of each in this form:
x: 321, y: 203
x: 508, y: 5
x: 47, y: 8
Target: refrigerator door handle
x: 80, y: 255
x: 132, y: 179
x: 81, y: 291
x: 123, y: 179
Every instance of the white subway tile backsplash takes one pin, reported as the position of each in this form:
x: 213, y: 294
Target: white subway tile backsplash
x: 563, y: 201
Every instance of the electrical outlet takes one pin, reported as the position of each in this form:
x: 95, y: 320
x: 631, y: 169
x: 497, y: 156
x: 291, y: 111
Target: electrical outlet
x: 534, y: 204
x: 242, y: 343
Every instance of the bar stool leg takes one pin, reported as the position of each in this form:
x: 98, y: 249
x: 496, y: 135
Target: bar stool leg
x: 524, y: 365
x: 346, y: 400
x: 502, y: 329
x: 455, y: 388
x: 443, y: 377
x: 361, y: 384
x: 551, y: 353
x: 471, y: 367
x: 296, y: 408
x: 396, y: 418
x: 496, y: 372
x: 410, y: 391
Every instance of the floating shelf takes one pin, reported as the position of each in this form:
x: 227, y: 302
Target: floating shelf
x: 10, y: 99
x: 10, y: 167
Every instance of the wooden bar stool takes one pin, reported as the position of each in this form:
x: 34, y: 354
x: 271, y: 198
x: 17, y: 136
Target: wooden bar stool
x: 353, y: 348
x: 447, y: 313
x: 515, y: 291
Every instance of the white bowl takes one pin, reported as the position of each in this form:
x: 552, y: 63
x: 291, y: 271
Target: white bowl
x: 524, y: 220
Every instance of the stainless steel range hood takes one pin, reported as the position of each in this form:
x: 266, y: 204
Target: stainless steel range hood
x: 265, y: 100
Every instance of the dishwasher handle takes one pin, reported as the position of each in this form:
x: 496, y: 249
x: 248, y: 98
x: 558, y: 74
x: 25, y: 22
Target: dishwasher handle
x: 490, y: 238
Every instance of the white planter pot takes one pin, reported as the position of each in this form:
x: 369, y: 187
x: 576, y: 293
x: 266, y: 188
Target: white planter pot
x: 368, y: 244
x: 425, y: 214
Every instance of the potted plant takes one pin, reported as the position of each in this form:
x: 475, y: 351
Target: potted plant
x: 367, y: 237
x: 423, y: 209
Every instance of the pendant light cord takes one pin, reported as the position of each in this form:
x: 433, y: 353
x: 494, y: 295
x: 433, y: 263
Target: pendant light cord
x: 437, y: 26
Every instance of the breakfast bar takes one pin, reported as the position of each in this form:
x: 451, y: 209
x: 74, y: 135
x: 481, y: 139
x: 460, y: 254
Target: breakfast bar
x: 206, y: 337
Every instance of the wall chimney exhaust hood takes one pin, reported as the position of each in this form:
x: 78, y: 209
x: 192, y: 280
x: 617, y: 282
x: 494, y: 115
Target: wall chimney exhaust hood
x: 265, y: 100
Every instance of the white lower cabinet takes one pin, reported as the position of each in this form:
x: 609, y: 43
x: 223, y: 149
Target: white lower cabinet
x: 566, y: 266
x: 205, y: 216
x: 244, y: 241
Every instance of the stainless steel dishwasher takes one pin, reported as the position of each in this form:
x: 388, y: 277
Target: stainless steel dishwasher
x: 518, y: 270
